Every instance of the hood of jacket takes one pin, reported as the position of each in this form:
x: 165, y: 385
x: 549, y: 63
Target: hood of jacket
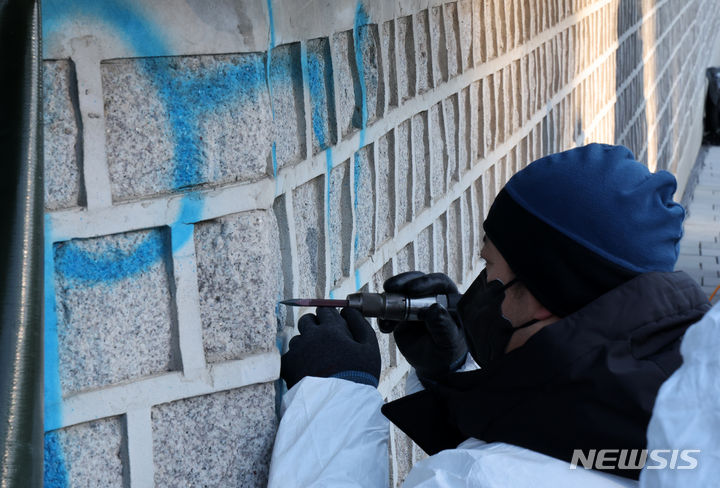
x: 588, y: 381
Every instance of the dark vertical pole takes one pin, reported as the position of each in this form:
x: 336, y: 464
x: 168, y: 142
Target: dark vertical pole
x: 21, y: 245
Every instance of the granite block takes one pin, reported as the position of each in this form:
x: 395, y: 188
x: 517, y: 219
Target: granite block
x: 455, y: 242
x: 451, y: 116
x: 403, y: 183
x: 422, y: 40
x: 501, y: 32
x: 363, y: 165
x: 288, y: 106
x: 452, y: 39
x: 308, y: 208
x: 89, y: 454
x: 424, y: 250
x: 115, y: 313
x: 178, y: 122
x: 222, y: 439
x: 239, y: 281
x: 405, y: 259
x: 348, y: 97
x: 464, y: 14
x: 339, y: 223
x: 489, y: 28
x: 438, y: 153
x: 479, y: 48
x: 385, y: 193
x: 465, y: 133
x: 472, y: 218
x: 440, y: 244
x: 390, y: 62
x: 62, y: 138
x: 322, y: 94
x: 420, y: 162
x: 370, y: 73
x: 490, y: 109
x: 406, y: 74
x: 438, y: 46
x: 283, y: 315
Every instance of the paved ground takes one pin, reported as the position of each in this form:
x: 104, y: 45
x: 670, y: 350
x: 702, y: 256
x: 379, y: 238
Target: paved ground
x: 700, y: 246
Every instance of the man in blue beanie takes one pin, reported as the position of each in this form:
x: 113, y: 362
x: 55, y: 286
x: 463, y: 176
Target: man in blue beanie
x: 575, y: 322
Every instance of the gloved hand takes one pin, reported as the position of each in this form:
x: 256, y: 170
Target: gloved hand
x: 435, y: 345
x: 331, y: 344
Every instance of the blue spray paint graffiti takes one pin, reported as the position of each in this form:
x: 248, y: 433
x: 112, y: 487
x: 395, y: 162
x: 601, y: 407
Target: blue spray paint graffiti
x: 360, y: 38
x: 186, y: 100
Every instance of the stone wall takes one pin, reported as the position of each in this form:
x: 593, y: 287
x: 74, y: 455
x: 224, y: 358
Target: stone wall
x: 207, y: 159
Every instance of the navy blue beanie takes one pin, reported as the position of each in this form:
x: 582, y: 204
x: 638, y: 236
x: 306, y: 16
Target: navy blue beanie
x: 575, y: 224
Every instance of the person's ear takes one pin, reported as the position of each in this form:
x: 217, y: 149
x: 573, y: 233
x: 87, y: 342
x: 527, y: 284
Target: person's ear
x: 542, y: 313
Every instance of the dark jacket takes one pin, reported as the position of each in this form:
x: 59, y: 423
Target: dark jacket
x: 588, y: 381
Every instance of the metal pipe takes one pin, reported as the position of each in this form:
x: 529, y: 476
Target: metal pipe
x: 21, y: 246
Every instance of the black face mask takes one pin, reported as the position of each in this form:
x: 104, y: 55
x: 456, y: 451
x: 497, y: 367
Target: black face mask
x: 487, y: 332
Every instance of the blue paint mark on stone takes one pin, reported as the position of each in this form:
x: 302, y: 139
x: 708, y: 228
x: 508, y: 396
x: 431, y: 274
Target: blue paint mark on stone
x: 108, y: 265
x: 126, y: 17
x: 55, y: 473
x: 357, y: 279
x: 318, y: 66
x: 360, y: 39
x: 269, y: 84
x: 361, y: 19
x: 52, y: 395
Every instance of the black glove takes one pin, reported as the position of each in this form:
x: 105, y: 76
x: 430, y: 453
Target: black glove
x: 331, y: 345
x: 435, y: 345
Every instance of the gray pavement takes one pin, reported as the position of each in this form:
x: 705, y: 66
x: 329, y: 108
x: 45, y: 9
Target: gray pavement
x: 700, y: 246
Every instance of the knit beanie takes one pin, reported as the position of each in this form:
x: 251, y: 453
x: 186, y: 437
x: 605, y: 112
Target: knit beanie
x: 576, y: 224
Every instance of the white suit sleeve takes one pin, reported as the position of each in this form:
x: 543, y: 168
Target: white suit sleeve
x: 476, y: 464
x: 332, y: 434
x: 686, y: 415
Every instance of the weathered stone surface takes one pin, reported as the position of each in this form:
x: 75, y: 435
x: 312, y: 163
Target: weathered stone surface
x: 406, y: 58
x: 390, y: 62
x: 179, y: 122
x: 322, y: 94
x: 114, y: 309
x: 87, y: 454
x: 438, y: 153
x: 240, y: 281
x: 438, y: 46
x: 421, y: 162
x: 62, y: 137
x: 339, y: 223
x: 440, y: 245
x: 223, y: 439
x: 464, y: 12
x: 452, y: 39
x: 424, y: 64
x: 348, y: 96
x: 452, y: 128
x: 424, y: 250
x: 364, y: 203
x: 405, y: 259
x: 370, y: 72
x: 403, y: 184
x: 308, y: 207
x: 288, y: 107
x: 455, y: 242
x: 385, y: 193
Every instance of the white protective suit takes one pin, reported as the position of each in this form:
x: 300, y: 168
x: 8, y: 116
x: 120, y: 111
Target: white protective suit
x: 332, y: 434
x: 686, y: 414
